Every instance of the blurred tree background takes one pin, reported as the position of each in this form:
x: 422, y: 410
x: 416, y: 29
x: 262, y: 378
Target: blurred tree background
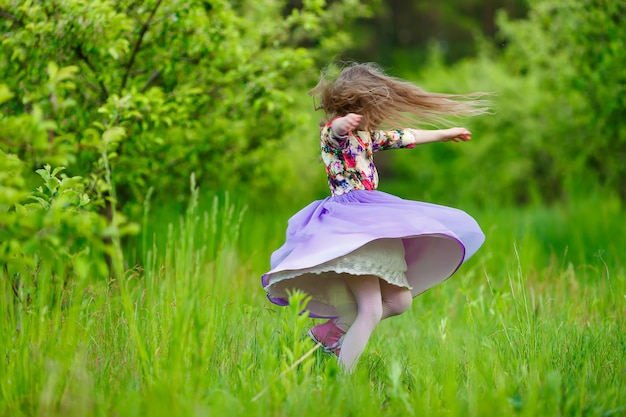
x: 399, y: 32
x: 132, y: 97
x: 556, y: 69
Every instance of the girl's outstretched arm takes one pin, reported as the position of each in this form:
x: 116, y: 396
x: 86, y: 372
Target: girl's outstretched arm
x: 454, y: 134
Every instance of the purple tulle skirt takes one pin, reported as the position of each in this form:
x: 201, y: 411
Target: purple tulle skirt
x: 436, y: 240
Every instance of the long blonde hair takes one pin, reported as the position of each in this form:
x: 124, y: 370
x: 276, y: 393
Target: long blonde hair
x: 366, y: 90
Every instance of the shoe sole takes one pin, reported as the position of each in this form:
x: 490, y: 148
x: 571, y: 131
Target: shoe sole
x: 324, y: 347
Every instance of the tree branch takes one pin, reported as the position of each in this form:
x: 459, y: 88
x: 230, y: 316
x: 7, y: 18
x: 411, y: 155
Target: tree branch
x: 137, y: 46
x: 15, y: 145
x: 91, y: 85
x: 104, y: 92
x: 8, y: 15
x: 151, y: 80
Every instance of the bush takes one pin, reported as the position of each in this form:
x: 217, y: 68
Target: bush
x: 50, y: 232
x: 575, y: 49
x: 160, y: 89
x: 559, y: 122
x: 133, y: 96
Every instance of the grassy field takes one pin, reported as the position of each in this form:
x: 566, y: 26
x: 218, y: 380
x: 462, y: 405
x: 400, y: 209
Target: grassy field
x: 533, y: 325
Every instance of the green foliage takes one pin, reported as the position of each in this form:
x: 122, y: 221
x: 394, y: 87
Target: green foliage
x: 399, y: 32
x: 558, y: 127
x: 48, y: 234
x: 165, y: 88
x: 519, y: 330
x: 136, y: 96
x: 507, y: 145
x: 575, y: 50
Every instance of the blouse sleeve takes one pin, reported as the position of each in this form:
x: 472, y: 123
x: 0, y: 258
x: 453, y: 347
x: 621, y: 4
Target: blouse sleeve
x: 392, y: 139
x: 337, y: 142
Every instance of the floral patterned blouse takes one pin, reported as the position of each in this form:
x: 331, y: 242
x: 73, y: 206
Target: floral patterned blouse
x: 349, y: 159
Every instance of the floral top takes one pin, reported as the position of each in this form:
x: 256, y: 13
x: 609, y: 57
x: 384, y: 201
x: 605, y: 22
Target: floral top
x: 349, y: 159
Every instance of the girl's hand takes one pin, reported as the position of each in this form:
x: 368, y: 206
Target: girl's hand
x: 342, y: 125
x: 456, y: 134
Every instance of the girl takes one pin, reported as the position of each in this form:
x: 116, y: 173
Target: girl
x: 362, y: 254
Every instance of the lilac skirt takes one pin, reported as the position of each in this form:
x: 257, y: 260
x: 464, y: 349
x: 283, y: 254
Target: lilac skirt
x: 436, y: 240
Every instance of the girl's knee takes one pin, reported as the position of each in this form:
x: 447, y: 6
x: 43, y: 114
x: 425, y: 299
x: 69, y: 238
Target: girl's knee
x: 398, y: 302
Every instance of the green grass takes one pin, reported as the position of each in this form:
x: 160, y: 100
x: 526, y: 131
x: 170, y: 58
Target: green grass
x: 533, y: 325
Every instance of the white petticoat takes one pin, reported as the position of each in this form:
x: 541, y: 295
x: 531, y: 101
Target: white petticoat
x: 383, y: 258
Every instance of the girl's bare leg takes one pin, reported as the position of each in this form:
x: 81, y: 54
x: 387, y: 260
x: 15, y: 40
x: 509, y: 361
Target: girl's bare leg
x: 396, y: 300
x: 369, y: 312
x: 375, y: 300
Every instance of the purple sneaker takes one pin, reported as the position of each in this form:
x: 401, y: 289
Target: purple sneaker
x: 328, y: 335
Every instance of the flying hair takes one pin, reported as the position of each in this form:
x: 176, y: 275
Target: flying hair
x: 385, y: 100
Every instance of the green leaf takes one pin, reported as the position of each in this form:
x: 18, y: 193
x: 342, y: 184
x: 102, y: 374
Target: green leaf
x: 53, y: 70
x: 113, y: 135
x: 66, y: 73
x: 5, y: 93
